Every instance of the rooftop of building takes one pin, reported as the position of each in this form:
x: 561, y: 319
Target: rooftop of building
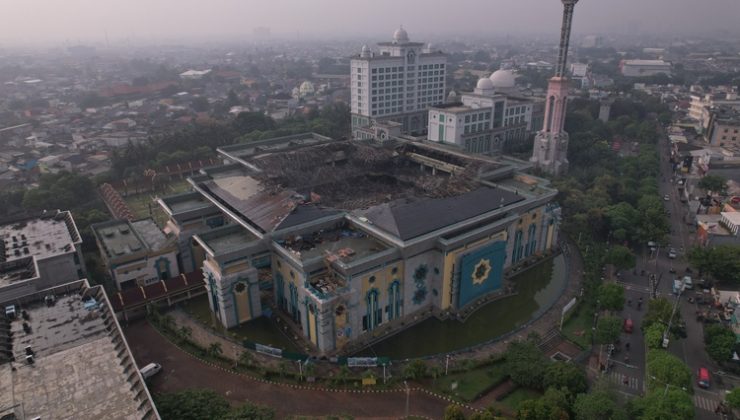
x: 46, y: 235
x: 339, y: 242
x: 226, y: 239
x: 81, y: 367
x: 186, y: 202
x: 646, y: 62
x: 287, y: 184
x: 18, y: 270
x: 122, y: 237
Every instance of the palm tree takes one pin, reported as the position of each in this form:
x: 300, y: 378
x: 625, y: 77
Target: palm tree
x: 215, y: 350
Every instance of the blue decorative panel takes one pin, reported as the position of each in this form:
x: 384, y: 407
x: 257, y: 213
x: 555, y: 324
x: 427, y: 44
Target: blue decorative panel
x: 481, y: 272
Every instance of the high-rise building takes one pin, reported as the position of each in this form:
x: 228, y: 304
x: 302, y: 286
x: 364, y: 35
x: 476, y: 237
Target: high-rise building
x: 398, y: 83
x: 550, y: 151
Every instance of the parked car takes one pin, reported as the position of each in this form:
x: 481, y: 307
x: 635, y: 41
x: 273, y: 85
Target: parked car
x: 150, y: 370
x: 688, y: 284
x: 628, y: 326
x: 703, y: 378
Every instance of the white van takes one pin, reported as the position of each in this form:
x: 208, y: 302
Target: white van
x: 150, y: 370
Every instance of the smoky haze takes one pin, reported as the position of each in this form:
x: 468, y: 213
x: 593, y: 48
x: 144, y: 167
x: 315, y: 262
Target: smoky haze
x: 52, y: 21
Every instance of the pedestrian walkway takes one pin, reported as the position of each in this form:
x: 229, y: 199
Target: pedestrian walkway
x: 625, y: 380
x: 705, y: 403
x: 634, y: 287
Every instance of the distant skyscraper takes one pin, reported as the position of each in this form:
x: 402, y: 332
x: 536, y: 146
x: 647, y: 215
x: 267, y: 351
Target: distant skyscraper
x: 550, y: 152
x: 398, y: 83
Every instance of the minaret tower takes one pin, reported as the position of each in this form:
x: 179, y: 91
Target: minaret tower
x: 550, y: 151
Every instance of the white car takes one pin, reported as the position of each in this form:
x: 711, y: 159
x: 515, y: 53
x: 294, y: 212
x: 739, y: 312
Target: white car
x: 672, y: 253
x: 666, y: 198
x: 150, y: 370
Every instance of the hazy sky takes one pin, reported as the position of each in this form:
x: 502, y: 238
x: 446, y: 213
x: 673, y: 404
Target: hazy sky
x: 70, y: 21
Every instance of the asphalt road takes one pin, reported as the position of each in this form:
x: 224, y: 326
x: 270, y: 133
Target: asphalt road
x: 181, y: 371
x: 629, y: 376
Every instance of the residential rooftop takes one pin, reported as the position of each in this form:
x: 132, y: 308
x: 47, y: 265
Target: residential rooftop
x: 45, y: 236
x: 80, y: 365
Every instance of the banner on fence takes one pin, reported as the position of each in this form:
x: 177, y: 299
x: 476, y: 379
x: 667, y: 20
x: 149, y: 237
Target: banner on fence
x: 367, y: 361
x: 270, y: 351
x: 566, y: 308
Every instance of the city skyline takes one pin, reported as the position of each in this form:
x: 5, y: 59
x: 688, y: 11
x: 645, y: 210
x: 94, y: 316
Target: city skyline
x: 88, y: 21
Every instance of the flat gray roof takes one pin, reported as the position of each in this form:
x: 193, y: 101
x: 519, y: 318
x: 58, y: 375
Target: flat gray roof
x: 78, y: 371
x: 41, y: 237
x: 122, y: 237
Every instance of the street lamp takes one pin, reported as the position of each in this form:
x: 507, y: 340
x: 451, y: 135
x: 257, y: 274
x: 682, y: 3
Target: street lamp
x: 447, y: 363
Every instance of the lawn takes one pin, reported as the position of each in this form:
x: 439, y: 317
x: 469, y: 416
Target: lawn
x: 513, y: 400
x: 471, y: 384
x: 143, y: 205
x: 577, y: 328
x: 261, y: 330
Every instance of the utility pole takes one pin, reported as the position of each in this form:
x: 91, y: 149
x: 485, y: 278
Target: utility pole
x: 408, y: 393
x: 447, y: 364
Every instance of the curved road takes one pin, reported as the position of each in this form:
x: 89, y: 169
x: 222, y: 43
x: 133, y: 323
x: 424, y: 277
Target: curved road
x: 183, y: 371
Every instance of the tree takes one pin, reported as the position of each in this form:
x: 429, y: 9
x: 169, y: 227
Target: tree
x: 454, y: 412
x: 250, y: 412
x: 666, y: 369
x: 553, y: 405
x: 720, y: 342
x: 620, y: 257
x: 415, y: 370
x: 733, y: 398
x: 654, y: 336
x: 192, y: 404
x: 653, y: 223
x: 611, y: 296
x: 599, y: 404
x: 714, y: 183
x: 246, y: 358
x: 658, y: 405
x: 722, y: 262
x: 566, y: 375
x: 526, y: 364
x: 214, y: 350
x: 608, y: 330
x: 660, y: 311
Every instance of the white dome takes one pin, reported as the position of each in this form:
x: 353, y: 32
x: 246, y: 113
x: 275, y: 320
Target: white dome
x: 364, y: 49
x: 400, y: 35
x: 484, y: 84
x: 503, y: 78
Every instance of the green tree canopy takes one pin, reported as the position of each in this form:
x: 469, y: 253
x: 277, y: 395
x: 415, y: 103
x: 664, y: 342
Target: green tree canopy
x: 611, y: 296
x: 566, y: 375
x: 654, y: 336
x: 526, y: 364
x: 599, y: 404
x: 666, y: 369
x: 733, y: 398
x: 714, y: 183
x: 620, y: 257
x: 454, y: 412
x: 720, y: 342
x: 553, y: 405
x: 608, y: 329
x: 660, y: 405
x: 722, y: 262
x: 659, y: 311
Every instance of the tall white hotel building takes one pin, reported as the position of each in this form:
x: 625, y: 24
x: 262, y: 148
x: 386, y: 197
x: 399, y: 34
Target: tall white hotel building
x: 398, y: 83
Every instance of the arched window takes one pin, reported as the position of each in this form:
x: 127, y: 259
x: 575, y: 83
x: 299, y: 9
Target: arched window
x: 394, y: 300
x: 373, y: 314
x: 531, y: 240
x: 516, y: 255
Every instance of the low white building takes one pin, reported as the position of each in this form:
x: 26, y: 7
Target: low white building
x: 136, y: 253
x: 483, y: 121
x: 644, y: 68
